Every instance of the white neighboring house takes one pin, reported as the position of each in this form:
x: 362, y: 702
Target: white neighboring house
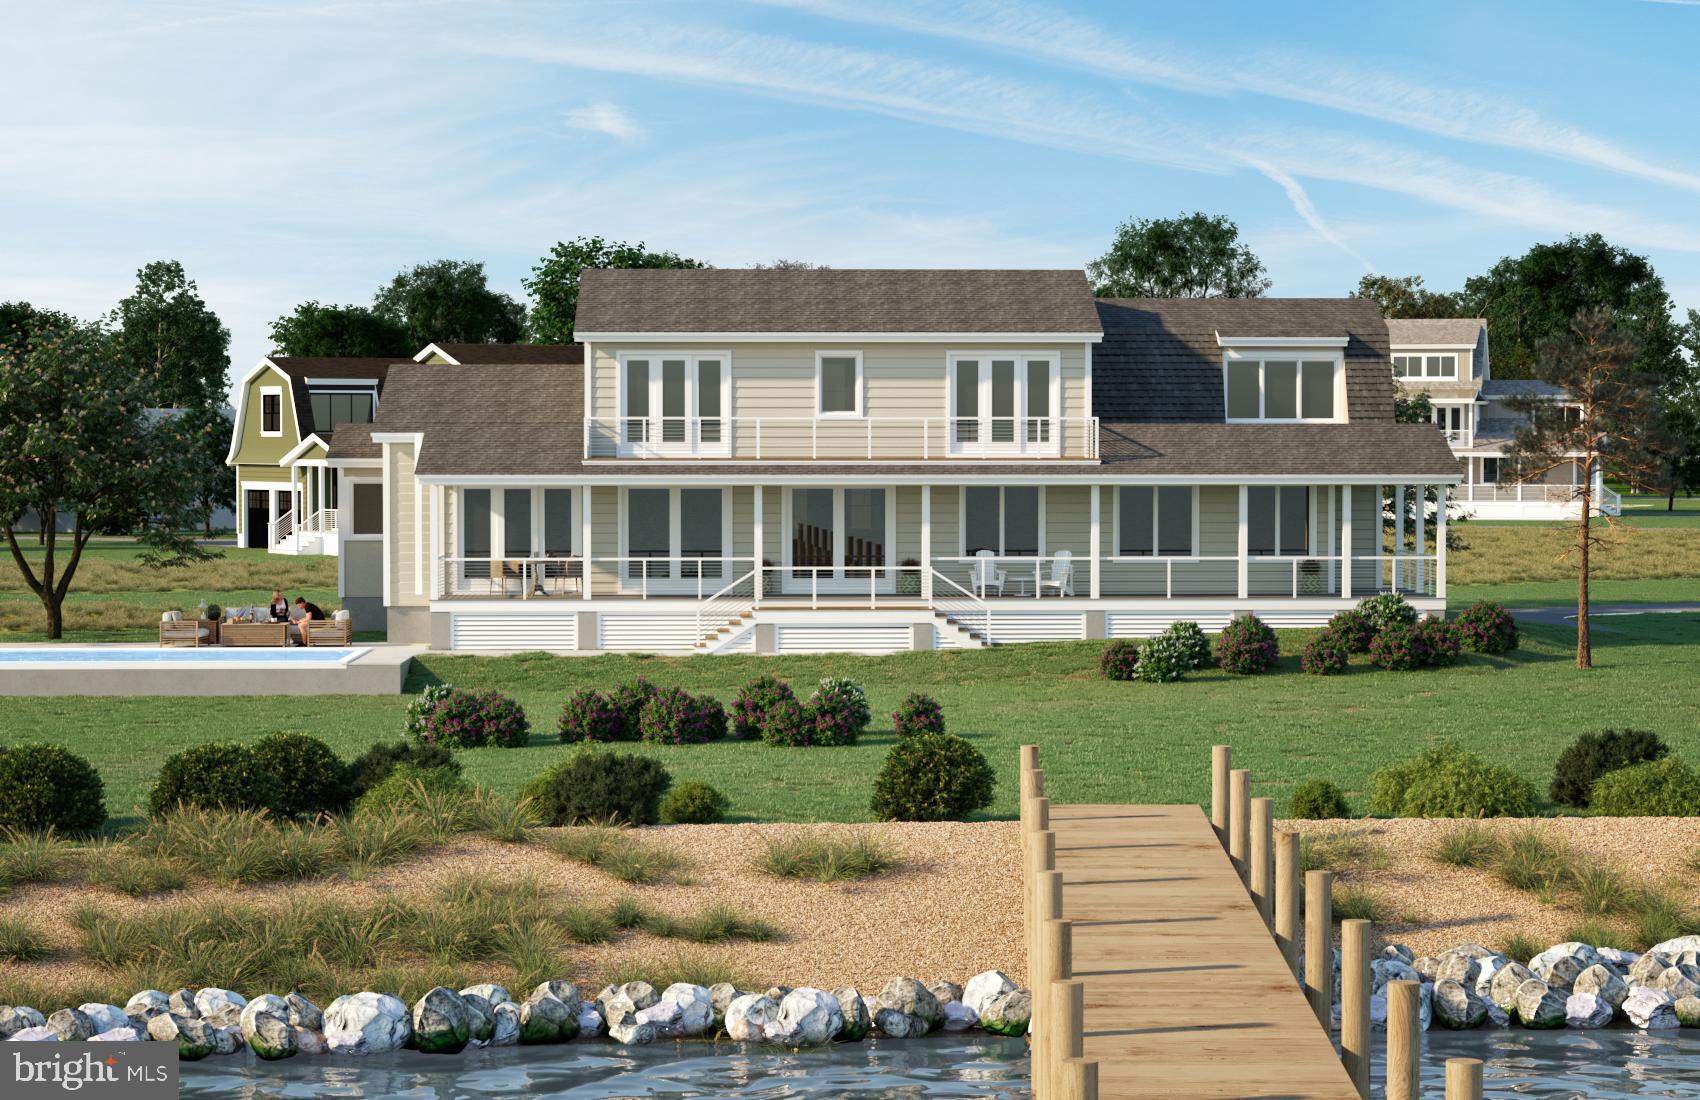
x: 1447, y: 359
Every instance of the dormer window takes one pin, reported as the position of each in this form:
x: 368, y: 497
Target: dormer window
x: 1425, y: 366
x: 1286, y: 388
x: 332, y: 407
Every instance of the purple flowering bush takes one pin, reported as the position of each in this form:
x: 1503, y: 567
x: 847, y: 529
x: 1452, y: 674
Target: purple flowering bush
x: 589, y: 715
x: 1443, y: 639
x: 1327, y: 654
x: 469, y: 719
x: 786, y: 724
x: 1354, y: 628
x: 1421, y: 645
x: 1120, y: 660
x: 676, y: 717
x: 755, y: 699
x: 833, y: 718
x: 629, y: 700
x: 918, y: 714
x: 1247, y: 646
x: 1486, y: 627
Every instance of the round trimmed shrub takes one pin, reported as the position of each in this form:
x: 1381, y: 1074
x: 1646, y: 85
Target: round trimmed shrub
x: 1595, y: 754
x: 311, y: 777
x: 787, y: 724
x: 1656, y: 788
x: 49, y: 787
x: 676, y: 717
x: 1120, y: 660
x: 1354, y: 628
x: 401, y: 789
x: 589, y: 715
x: 1247, y: 646
x: 1162, y: 660
x: 932, y: 777
x: 471, y: 719
x: 216, y: 775
x: 1387, y: 610
x: 1486, y: 627
x: 1442, y: 641
x: 629, y: 700
x: 694, y: 803
x: 846, y: 694
x: 918, y: 714
x: 1189, y: 637
x: 1318, y: 800
x: 1327, y: 654
x: 832, y: 719
x: 1399, y: 649
x: 754, y: 700
x: 420, y: 708
x: 594, y: 786
x: 375, y: 764
x: 1447, y: 781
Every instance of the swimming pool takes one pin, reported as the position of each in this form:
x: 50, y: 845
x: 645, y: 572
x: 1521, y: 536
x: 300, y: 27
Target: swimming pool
x: 114, y: 657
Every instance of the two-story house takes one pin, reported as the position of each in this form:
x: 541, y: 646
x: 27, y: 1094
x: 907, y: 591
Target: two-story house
x: 796, y: 461
x: 1446, y: 359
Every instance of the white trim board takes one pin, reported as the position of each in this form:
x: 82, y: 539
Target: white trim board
x: 843, y: 337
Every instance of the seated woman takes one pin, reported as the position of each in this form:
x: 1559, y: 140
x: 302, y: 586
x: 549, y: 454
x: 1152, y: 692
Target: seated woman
x: 279, y: 607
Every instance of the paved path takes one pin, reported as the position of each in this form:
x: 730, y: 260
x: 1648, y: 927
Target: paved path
x: 1559, y: 616
x: 1186, y: 993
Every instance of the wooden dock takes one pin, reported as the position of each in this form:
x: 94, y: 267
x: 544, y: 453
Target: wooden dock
x: 1185, y: 992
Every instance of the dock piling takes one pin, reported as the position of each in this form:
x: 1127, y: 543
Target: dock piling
x: 1262, y: 865
x: 1079, y: 1080
x: 1319, y: 947
x: 1221, y: 762
x: 1404, y: 1040
x: 1463, y: 1079
x: 1067, y: 1004
x: 1287, y: 898
x: 1239, y: 821
x: 1055, y: 967
x: 1354, y: 1002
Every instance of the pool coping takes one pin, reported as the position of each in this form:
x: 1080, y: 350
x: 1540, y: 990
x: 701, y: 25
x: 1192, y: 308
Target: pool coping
x: 376, y: 669
x: 348, y: 655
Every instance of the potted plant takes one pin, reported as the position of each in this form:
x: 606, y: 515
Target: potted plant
x: 1310, y: 578
x: 909, y: 578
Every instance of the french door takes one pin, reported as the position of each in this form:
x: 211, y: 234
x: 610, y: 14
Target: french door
x: 839, y: 540
x: 1004, y: 404
x: 674, y: 405
x: 676, y: 541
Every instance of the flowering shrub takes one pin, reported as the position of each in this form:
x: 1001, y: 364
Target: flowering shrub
x: 1162, y: 660
x: 918, y: 714
x: 1326, y: 654
x: 468, y: 719
x: 676, y: 717
x: 413, y: 727
x: 786, y: 724
x: 1421, y: 645
x: 589, y: 715
x: 1486, y: 627
x: 755, y: 699
x: 1247, y: 646
x: 1444, y: 642
x: 1387, y: 609
x: 1193, y: 645
x: 629, y: 700
x: 832, y: 718
x: 1120, y: 660
x: 837, y: 687
x: 1354, y: 628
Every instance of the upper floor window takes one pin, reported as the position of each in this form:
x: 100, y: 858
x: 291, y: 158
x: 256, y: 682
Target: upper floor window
x: 838, y: 383
x: 271, y: 411
x: 1004, y: 402
x: 1425, y: 366
x: 333, y: 407
x: 674, y: 403
x: 1284, y: 389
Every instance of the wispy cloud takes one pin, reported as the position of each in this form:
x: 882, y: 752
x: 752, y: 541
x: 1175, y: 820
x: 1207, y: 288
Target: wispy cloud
x: 1445, y: 110
x: 604, y: 118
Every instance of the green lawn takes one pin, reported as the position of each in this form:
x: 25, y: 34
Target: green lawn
x: 1102, y: 741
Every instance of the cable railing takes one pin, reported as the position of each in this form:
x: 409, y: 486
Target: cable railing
x: 281, y: 528
x: 841, y: 438
x: 520, y: 578
x: 962, y: 606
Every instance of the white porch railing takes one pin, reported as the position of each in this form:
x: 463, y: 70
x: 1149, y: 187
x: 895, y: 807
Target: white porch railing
x: 962, y: 605
x: 838, y: 439
x: 280, y: 528
x: 321, y: 522
x: 510, y: 578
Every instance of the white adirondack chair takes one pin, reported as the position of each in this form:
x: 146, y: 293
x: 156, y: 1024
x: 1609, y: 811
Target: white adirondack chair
x: 987, y: 575
x: 1062, y: 574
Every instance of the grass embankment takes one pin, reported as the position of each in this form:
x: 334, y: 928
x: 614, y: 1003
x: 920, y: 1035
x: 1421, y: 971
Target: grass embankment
x: 1102, y: 741
x: 114, y: 597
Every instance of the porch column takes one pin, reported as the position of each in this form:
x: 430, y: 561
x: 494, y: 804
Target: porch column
x: 1245, y: 545
x: 1333, y: 544
x: 584, y: 543
x: 759, y: 543
x: 1346, y: 541
x: 927, y: 543
x: 1422, y: 530
x: 1398, y: 536
x: 1093, y: 490
x: 1440, y: 547
x: 438, y: 541
x: 319, y: 494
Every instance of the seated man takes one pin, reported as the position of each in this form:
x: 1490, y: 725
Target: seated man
x: 306, y: 610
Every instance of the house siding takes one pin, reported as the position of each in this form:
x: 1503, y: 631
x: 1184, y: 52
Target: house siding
x: 253, y: 448
x: 401, y: 525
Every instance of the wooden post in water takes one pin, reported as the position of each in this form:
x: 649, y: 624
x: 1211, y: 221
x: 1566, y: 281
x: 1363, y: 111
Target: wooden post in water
x: 1463, y: 1079
x: 1221, y: 762
x: 1287, y: 898
x: 1404, y: 1040
x: 1354, y: 1002
x: 1056, y: 966
x: 1067, y: 1003
x: 1262, y: 858
x: 1319, y: 947
x: 1079, y: 1080
x: 1239, y: 821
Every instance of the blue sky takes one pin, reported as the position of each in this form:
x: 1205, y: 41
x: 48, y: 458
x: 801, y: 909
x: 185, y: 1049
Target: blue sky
x: 287, y: 151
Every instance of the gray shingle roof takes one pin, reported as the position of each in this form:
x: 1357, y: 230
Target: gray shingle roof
x: 1301, y: 450
x: 1429, y: 331
x: 1160, y: 360
x: 353, y: 441
x: 835, y: 300
x: 491, y: 354
x: 1520, y: 387
x: 501, y: 419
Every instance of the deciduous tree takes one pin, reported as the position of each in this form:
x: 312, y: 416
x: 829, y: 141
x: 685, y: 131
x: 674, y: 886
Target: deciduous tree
x: 169, y: 337
x: 1405, y: 296
x: 449, y: 301
x: 553, y: 284
x: 1610, y: 418
x: 1191, y: 256
x: 315, y: 329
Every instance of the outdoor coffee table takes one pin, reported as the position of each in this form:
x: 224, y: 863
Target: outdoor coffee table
x: 255, y: 634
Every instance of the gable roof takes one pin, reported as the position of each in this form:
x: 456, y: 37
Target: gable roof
x: 1433, y: 331
x: 864, y: 301
x: 482, y: 354
x: 1161, y: 360
x: 505, y: 418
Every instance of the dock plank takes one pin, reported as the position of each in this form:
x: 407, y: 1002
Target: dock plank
x: 1186, y: 993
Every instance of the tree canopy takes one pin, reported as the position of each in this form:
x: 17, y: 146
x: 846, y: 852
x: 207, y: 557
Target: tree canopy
x: 449, y: 301
x: 1191, y: 256
x: 553, y: 284
x: 1405, y: 296
x: 169, y: 337
x: 74, y: 438
x: 315, y: 329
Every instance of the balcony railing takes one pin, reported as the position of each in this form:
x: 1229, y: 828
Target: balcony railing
x: 841, y: 439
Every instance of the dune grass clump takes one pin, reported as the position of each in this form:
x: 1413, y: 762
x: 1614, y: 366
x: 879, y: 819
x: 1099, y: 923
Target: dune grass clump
x: 1534, y: 862
x: 1468, y: 844
x: 694, y: 966
x: 21, y: 942
x: 1359, y: 903
x: 1345, y: 849
x: 616, y: 851
x: 1521, y: 948
x: 827, y: 859
x: 33, y: 857
x: 122, y: 868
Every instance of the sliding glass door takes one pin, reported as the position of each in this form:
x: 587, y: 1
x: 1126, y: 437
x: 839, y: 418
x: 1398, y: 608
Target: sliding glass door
x: 673, y: 405
x: 838, y: 540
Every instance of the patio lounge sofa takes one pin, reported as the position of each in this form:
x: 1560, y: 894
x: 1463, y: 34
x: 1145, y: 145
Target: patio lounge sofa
x: 336, y: 630
x: 174, y: 629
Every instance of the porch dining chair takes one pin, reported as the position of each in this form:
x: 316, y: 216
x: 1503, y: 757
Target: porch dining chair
x: 987, y: 575
x: 1062, y: 574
